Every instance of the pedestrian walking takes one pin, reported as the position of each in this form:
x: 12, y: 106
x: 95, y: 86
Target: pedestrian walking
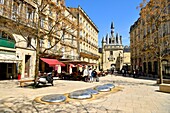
x: 94, y: 75
x: 85, y: 74
x: 134, y: 73
x: 123, y: 72
x: 91, y: 75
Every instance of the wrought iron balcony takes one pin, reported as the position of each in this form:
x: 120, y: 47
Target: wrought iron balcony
x: 51, y: 52
x: 70, y: 57
x: 68, y: 43
x: 88, y: 54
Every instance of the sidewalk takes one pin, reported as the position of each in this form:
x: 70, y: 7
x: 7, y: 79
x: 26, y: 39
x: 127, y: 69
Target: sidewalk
x: 137, y: 96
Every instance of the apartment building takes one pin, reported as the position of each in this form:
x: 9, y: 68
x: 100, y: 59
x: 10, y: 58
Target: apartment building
x: 68, y: 42
x: 87, y: 37
x: 149, y: 42
x: 23, y: 26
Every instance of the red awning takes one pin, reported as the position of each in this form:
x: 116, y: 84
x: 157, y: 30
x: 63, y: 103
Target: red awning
x: 52, y: 62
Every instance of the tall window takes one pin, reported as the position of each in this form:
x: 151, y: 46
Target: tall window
x: 15, y: 10
x: 1, y: 1
x: 63, y: 49
x: 111, y: 52
x: 41, y: 42
x: 29, y: 14
x: 63, y: 35
x: 57, y: 2
x: 163, y: 30
x: 42, y: 22
x: 72, y: 39
x: 1, y: 8
x: 49, y: 43
x: 50, y: 11
x: 81, y: 34
x: 169, y: 8
x: 49, y: 24
x: 6, y: 35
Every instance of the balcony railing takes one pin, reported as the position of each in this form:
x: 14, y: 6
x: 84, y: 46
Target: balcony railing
x: 89, y: 53
x: 67, y: 43
x: 70, y: 57
x: 6, y: 12
x: 52, y: 52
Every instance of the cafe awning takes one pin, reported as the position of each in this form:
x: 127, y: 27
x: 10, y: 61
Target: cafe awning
x: 52, y: 62
x: 9, y: 58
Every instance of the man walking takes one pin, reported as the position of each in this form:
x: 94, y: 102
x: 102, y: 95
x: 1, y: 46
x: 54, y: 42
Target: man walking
x: 85, y: 74
x: 94, y: 74
x: 91, y: 75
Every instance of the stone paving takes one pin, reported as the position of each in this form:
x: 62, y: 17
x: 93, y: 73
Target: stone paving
x: 137, y: 96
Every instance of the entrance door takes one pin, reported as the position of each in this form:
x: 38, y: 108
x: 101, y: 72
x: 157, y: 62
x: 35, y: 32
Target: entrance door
x: 144, y: 67
x: 27, y: 65
x: 156, y: 67
x: 3, y: 71
x: 149, y: 67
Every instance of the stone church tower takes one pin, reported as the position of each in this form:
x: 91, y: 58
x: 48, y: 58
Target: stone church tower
x: 112, y: 51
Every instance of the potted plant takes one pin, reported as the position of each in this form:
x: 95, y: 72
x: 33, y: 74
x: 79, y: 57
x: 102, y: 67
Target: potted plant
x: 19, y: 70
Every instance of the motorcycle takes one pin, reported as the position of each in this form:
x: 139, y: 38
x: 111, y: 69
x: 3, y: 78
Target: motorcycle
x: 45, y: 79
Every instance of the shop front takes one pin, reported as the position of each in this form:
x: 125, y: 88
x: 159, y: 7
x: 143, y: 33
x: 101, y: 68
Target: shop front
x: 48, y: 65
x: 8, y: 65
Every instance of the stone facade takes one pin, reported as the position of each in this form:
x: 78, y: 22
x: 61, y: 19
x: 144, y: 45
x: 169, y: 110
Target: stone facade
x: 112, y: 51
x: 87, y: 37
x: 149, y: 43
x: 58, y: 31
x: 20, y: 20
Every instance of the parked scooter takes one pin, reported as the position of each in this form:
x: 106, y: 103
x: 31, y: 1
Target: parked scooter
x: 45, y: 79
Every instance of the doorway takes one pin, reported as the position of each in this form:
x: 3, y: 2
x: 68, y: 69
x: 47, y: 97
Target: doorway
x: 27, y: 66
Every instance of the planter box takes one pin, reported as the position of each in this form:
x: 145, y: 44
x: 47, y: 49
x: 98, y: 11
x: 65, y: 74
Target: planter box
x: 164, y: 88
x: 166, y: 81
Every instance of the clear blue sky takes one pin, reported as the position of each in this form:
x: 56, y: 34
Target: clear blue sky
x: 103, y: 12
